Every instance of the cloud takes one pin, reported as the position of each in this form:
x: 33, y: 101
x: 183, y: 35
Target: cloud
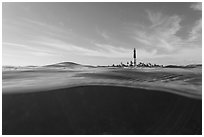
x: 28, y: 48
x: 101, y: 50
x: 42, y: 54
x: 112, y: 51
x: 161, y: 34
x: 62, y: 46
x: 197, y: 6
x: 155, y: 18
x: 163, y: 44
x: 42, y: 25
x: 162, y: 24
x: 196, y: 31
x: 30, y: 29
x: 182, y: 57
x: 105, y: 35
x: 143, y: 40
x: 142, y: 54
x: 195, y: 35
x: 102, y: 33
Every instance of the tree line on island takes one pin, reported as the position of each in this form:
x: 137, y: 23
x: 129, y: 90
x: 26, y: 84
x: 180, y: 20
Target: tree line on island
x: 149, y: 65
x: 141, y: 64
x: 131, y: 64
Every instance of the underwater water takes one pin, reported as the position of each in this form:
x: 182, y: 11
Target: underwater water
x: 102, y: 101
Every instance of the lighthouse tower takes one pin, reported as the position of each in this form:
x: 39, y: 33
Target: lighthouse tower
x: 134, y: 56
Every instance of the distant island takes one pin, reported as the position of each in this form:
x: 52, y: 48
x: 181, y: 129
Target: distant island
x: 149, y: 65
x: 73, y: 65
x: 134, y: 64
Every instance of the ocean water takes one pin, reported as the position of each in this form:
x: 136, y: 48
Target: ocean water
x: 181, y: 81
x: 113, y: 101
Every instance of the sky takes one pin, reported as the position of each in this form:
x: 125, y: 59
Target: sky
x: 101, y: 33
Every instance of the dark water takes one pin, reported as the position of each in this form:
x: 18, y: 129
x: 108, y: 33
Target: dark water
x: 100, y: 110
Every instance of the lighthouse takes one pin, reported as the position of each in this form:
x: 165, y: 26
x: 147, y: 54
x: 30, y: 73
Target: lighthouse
x: 134, y: 56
